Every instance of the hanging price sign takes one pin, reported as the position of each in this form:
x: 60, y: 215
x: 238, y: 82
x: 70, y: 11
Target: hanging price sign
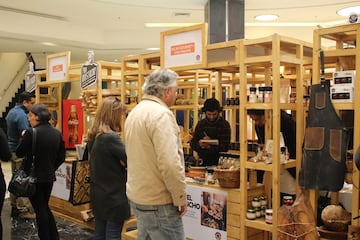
x: 89, y: 75
x: 30, y: 81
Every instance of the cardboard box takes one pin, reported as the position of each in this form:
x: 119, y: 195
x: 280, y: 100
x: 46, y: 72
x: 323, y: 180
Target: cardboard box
x: 344, y: 78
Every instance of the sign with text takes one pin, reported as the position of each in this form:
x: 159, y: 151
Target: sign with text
x: 30, y: 82
x: 184, y: 47
x: 61, y: 188
x: 89, y: 75
x: 206, y: 213
x: 57, y: 66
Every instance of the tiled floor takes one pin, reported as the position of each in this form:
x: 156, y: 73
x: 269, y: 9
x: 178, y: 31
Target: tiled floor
x: 20, y: 229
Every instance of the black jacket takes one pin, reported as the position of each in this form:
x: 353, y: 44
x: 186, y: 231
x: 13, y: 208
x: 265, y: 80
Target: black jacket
x: 5, y: 154
x: 49, y: 151
x: 108, y: 178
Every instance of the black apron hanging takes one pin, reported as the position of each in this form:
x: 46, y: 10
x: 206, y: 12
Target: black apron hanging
x: 325, y: 144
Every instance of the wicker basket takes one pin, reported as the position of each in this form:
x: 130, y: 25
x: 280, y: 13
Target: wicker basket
x: 228, y: 178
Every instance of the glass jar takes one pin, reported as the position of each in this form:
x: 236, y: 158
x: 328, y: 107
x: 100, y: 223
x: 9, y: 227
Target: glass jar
x: 287, y: 200
x: 251, y: 214
x: 262, y: 211
x: 258, y: 212
x: 260, y: 96
x: 263, y: 201
x: 255, y: 202
x: 252, y: 96
x: 293, y: 97
x: 268, y: 94
x: 268, y: 216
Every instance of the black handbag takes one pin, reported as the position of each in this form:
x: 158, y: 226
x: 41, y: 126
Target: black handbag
x: 22, y: 184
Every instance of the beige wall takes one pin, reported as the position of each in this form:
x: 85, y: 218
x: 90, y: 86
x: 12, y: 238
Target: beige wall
x: 13, y: 67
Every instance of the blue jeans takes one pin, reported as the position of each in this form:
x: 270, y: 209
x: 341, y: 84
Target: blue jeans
x: 107, y: 230
x: 159, y: 222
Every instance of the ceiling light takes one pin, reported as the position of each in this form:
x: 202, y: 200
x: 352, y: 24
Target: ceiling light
x: 268, y: 17
x: 48, y: 44
x: 153, y: 25
x: 345, y: 12
x: 153, y: 49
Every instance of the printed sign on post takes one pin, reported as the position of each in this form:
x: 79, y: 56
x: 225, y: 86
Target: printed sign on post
x: 89, y: 75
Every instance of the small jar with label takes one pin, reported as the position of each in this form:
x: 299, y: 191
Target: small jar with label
x: 287, y: 200
x: 251, y: 214
x: 258, y: 212
x: 263, y: 201
x: 256, y: 202
x: 262, y: 211
x: 268, y: 216
x: 293, y: 97
x: 260, y: 96
x: 268, y: 94
x: 252, y: 96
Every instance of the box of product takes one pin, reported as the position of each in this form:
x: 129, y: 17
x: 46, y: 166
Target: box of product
x: 341, y: 93
x: 344, y: 78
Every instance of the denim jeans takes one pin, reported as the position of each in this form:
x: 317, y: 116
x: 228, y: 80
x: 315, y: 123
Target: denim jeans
x: 158, y: 222
x: 107, y: 230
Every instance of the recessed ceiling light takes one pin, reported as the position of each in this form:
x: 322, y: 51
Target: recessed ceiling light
x: 267, y: 17
x: 48, y: 44
x: 153, y: 49
x: 345, y: 12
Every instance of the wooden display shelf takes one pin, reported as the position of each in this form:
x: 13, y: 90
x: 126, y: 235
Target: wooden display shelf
x: 64, y: 209
x: 340, y: 43
x: 261, y: 59
x: 269, y: 167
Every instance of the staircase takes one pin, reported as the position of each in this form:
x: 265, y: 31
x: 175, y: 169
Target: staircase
x: 10, y: 105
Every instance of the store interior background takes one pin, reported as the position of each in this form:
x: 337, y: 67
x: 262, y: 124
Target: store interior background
x: 117, y: 28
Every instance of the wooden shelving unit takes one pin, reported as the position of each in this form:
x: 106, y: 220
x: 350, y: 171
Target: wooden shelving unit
x: 261, y: 59
x: 344, y: 38
x: 52, y: 98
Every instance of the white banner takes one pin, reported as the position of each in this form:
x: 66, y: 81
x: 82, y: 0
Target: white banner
x: 206, y: 215
x: 61, y: 188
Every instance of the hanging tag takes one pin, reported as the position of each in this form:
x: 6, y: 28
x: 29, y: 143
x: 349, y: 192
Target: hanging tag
x: 30, y: 78
x: 89, y: 72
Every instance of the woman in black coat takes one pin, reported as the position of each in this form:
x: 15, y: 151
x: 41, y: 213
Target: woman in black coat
x: 108, y: 171
x: 49, y: 155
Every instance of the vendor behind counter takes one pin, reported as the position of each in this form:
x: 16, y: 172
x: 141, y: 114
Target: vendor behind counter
x: 212, y: 127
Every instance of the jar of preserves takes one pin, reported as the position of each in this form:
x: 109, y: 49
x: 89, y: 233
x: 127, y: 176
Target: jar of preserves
x: 251, y: 214
x: 260, y: 96
x: 258, y: 212
x: 268, y: 94
x: 263, y: 201
x: 293, y: 97
x: 262, y: 211
x: 287, y: 200
x: 256, y: 202
x: 268, y: 216
x: 252, y: 96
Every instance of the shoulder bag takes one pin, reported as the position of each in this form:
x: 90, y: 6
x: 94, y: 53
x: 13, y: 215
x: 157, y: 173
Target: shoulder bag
x: 21, y: 183
x: 80, y: 180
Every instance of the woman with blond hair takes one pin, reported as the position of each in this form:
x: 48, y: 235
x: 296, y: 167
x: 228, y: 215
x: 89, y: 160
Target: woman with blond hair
x: 108, y: 170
